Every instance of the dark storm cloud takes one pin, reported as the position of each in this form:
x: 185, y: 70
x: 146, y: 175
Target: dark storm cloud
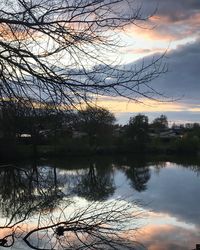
x: 183, y: 76
x: 182, y: 80
x: 173, y: 10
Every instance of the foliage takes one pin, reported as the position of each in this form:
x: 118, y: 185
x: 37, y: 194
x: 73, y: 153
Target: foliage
x: 188, y: 144
x: 90, y: 131
x: 160, y: 123
x: 97, y: 123
x: 137, y: 130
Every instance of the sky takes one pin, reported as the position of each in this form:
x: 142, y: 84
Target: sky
x: 175, y: 28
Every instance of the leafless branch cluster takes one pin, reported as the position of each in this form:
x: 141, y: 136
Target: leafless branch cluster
x: 60, y: 51
x: 95, y: 226
x: 25, y: 191
x: 32, y: 214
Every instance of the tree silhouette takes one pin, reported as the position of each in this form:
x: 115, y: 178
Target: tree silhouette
x: 137, y: 131
x: 23, y: 191
x: 95, y: 226
x: 96, y: 185
x: 61, y: 51
x: 160, y: 123
x: 139, y: 174
x: 97, y: 123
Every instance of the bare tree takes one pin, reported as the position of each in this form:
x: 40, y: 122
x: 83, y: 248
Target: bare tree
x: 33, y: 215
x: 24, y: 191
x: 60, y: 51
x: 95, y: 226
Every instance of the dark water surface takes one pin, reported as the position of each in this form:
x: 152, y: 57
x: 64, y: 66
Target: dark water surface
x: 168, y: 191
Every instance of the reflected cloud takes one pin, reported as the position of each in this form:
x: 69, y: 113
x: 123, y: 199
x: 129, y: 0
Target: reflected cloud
x: 174, y: 191
x: 165, y: 237
x: 164, y: 188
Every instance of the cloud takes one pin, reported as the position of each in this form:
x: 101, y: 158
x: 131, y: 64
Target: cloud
x: 165, y: 196
x: 172, y: 21
x: 178, y: 10
x: 182, y: 79
x: 156, y: 237
x: 180, y: 83
x: 119, y: 105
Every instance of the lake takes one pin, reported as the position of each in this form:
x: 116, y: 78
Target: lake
x: 165, y: 191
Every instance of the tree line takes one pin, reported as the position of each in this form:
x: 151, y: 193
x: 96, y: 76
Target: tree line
x: 56, y: 54
x: 91, y: 130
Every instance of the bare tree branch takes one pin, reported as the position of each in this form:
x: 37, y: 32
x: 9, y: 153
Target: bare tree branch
x: 63, y: 51
x: 95, y: 226
x: 34, y: 221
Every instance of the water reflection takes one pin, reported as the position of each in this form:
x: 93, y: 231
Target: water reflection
x: 95, y: 184
x: 25, y: 190
x: 169, y: 189
x: 175, y: 191
x: 139, y: 177
x: 168, y: 237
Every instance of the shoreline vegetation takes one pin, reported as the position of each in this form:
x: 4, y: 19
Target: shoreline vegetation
x: 27, y: 133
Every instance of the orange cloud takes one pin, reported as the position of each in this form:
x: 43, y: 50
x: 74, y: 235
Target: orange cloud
x: 164, y: 236
x: 15, y: 33
x: 164, y: 28
x: 118, y: 105
x: 157, y: 237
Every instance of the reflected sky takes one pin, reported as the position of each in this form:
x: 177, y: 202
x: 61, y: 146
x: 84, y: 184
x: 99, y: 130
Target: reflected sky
x: 169, y: 194
x: 172, y: 190
x: 165, y: 237
x: 172, y: 193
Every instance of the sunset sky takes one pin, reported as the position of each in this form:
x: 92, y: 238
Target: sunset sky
x: 175, y: 27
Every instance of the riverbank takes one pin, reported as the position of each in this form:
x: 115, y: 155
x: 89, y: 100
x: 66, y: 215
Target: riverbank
x: 29, y: 152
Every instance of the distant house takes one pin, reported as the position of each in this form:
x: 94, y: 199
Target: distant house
x: 24, y: 135
x: 166, y: 133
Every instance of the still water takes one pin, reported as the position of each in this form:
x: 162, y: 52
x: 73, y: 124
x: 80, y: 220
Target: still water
x: 167, y: 191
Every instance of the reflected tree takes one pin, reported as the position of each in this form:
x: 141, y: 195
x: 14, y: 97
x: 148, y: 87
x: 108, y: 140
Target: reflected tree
x: 95, y: 226
x: 27, y: 190
x: 35, y: 219
x: 95, y: 184
x: 139, y: 177
x: 30, y: 201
